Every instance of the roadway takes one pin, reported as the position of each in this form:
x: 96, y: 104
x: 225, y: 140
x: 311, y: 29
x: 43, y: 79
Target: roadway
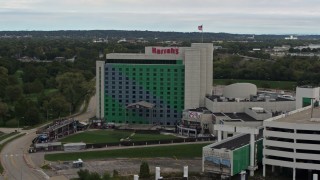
x: 15, y: 157
x: 15, y: 160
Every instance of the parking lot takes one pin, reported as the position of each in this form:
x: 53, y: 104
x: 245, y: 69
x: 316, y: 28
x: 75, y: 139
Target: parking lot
x: 126, y: 166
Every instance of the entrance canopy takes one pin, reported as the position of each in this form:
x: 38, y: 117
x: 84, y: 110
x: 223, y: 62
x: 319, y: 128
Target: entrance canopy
x: 141, y: 105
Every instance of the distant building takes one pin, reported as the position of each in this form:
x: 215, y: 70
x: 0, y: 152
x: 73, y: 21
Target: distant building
x: 122, y: 40
x: 291, y: 38
x: 100, y: 40
x: 59, y: 59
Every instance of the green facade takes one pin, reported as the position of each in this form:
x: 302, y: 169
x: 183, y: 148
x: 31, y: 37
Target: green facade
x: 160, y: 84
x: 306, y: 102
x: 241, y: 157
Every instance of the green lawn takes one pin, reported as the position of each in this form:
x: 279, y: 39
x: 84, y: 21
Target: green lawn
x: 284, y: 85
x: 5, y: 136
x: 112, y: 136
x: 174, y: 151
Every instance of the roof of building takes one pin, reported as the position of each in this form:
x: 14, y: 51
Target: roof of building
x: 200, y: 109
x: 302, y: 116
x: 237, y: 142
x: 74, y: 144
x: 233, y: 116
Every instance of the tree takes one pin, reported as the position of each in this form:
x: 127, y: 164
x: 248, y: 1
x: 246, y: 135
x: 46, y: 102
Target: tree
x: 144, y: 170
x: 86, y: 175
x: 3, y: 112
x: 3, y: 81
x: 74, y: 87
x: 83, y: 174
x: 115, y: 173
x: 106, y: 176
x: 14, y: 92
x: 32, y: 116
x: 59, y: 105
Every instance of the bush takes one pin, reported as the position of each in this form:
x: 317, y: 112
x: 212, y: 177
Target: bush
x: 83, y: 174
x: 106, y: 176
x: 144, y: 170
x: 115, y: 173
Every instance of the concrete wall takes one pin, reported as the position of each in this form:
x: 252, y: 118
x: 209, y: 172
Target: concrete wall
x: 198, y: 74
x: 206, y: 67
x: 192, y: 78
x: 230, y: 107
x: 258, y: 116
x: 100, y: 89
x: 294, y: 136
x: 307, y: 93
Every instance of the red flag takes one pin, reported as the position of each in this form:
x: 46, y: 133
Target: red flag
x: 200, y: 28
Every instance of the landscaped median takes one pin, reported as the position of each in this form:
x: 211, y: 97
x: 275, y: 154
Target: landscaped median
x: 4, y: 144
x: 172, y: 151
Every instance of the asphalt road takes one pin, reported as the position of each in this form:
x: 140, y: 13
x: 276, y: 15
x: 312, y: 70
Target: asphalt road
x: 15, y: 157
x: 15, y: 160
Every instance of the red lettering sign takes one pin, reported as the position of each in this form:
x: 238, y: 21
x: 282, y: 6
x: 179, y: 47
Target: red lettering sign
x: 165, y: 51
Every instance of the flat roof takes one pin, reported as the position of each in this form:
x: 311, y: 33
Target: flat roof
x: 303, y: 116
x: 237, y: 142
x: 233, y: 116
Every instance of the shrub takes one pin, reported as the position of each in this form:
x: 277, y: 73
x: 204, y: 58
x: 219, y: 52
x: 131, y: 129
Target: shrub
x: 115, y: 173
x: 144, y: 170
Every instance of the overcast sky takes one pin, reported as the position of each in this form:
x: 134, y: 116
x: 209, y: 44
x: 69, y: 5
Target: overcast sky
x: 232, y: 16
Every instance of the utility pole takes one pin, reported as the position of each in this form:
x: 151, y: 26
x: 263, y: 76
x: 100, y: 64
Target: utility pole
x: 312, y: 106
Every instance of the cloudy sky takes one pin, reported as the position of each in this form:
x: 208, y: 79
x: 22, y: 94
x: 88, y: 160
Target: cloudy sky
x: 232, y: 16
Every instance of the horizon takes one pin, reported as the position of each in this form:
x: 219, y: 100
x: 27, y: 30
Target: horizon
x: 235, y: 17
x: 266, y: 34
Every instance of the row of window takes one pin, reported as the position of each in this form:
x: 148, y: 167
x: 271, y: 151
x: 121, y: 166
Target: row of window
x: 144, y: 115
x: 141, y: 88
x: 145, y: 69
x: 168, y: 92
x: 131, y: 97
x: 146, y: 79
x: 292, y: 130
x: 112, y: 103
x: 110, y: 73
x: 144, y: 110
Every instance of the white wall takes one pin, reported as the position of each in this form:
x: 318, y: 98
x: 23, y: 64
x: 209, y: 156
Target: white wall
x: 305, y: 92
x: 192, y: 78
x: 240, y: 90
x: 230, y: 107
x: 293, y: 145
x: 100, y: 89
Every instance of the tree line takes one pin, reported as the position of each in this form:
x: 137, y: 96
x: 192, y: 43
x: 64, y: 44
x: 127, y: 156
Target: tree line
x: 30, y: 93
x: 303, y: 70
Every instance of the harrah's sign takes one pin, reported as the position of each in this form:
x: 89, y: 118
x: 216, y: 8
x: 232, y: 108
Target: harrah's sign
x: 165, y: 50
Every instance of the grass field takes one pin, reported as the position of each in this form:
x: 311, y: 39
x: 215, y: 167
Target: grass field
x: 174, y: 151
x: 284, y: 85
x: 112, y: 136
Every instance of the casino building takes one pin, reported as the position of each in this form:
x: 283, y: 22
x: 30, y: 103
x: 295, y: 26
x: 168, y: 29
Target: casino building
x: 154, y: 87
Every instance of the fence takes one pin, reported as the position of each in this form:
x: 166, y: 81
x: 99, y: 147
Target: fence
x: 153, y: 142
